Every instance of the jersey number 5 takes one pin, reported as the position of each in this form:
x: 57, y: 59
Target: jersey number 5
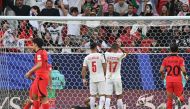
x: 113, y: 66
x: 94, y: 66
x: 176, y: 70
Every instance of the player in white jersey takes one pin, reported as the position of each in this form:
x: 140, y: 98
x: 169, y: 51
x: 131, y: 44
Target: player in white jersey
x: 95, y: 62
x: 113, y: 75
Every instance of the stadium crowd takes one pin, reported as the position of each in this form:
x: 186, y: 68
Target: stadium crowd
x: 139, y: 34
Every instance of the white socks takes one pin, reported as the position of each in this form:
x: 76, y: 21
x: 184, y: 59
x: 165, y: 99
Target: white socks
x: 119, y: 104
x: 92, y: 102
x: 101, y: 102
x: 107, y: 104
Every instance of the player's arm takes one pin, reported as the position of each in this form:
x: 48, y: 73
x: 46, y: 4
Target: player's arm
x: 84, y: 70
x: 162, y: 72
x: 36, y: 67
x: 162, y: 69
x: 125, y: 53
x: 50, y: 80
x: 182, y: 66
x: 31, y: 78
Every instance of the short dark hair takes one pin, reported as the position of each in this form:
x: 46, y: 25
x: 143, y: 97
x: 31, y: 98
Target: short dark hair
x: 49, y: 1
x: 115, y: 46
x: 38, y: 41
x: 74, y: 9
x: 93, y: 45
x: 173, y: 47
x: 36, y: 8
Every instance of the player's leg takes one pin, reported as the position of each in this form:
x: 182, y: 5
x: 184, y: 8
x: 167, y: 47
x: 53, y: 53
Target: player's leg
x: 118, y: 91
x: 169, y: 90
x: 43, y: 92
x: 93, y: 93
x: 36, y: 102
x: 29, y: 102
x: 109, y: 92
x: 178, y: 91
x: 101, y: 92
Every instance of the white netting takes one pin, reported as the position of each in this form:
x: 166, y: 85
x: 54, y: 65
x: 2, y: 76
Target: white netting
x: 67, y: 41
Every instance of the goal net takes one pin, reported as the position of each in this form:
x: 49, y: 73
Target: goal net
x: 67, y: 41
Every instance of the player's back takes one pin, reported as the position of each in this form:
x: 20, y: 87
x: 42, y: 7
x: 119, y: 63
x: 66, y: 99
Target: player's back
x: 41, y: 56
x: 114, y: 64
x: 94, y: 62
x: 173, y: 64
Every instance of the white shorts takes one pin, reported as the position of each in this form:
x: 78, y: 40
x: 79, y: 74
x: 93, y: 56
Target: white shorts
x: 113, y: 86
x: 97, y: 88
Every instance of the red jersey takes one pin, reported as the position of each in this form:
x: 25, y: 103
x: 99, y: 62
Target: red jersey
x: 41, y: 56
x: 172, y: 64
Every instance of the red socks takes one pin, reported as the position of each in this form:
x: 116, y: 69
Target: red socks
x: 36, y: 104
x: 45, y: 106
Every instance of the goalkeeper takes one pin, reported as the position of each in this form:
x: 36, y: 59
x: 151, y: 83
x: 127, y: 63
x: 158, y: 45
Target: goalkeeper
x: 57, y: 82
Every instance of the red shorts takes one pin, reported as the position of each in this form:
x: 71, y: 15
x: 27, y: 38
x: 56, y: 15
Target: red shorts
x: 40, y: 86
x: 175, y: 87
x: 31, y: 89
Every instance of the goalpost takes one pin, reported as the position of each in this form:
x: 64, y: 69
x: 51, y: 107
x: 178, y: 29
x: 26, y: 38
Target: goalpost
x: 67, y: 40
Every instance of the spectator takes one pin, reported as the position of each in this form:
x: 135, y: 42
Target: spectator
x: 48, y: 42
x: 143, y: 4
x: 165, y: 11
x: 9, y: 37
x: 25, y: 32
x: 56, y: 34
x: 148, y: 11
x: 111, y: 11
x: 185, y: 36
x: 49, y: 10
x: 88, y: 4
x: 87, y: 11
x: 174, y: 7
x: 121, y: 7
x: 74, y: 3
x: 58, y: 6
x: 103, y: 4
x: 35, y: 11
x: 184, y: 11
x: 130, y: 11
x: 20, y: 9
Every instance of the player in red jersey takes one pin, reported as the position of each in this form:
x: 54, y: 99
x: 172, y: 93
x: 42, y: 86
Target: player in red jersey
x: 29, y: 102
x: 40, y: 84
x: 174, y: 65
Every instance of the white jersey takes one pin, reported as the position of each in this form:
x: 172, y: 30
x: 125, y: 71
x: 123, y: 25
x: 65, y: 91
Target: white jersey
x: 114, y: 60
x: 56, y: 34
x: 9, y: 40
x: 94, y: 62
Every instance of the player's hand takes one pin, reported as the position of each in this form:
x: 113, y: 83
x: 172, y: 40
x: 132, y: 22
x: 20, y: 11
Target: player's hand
x: 85, y: 82
x: 27, y: 75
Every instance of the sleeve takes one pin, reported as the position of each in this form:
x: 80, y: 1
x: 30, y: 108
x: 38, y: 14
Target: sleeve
x: 39, y: 57
x: 164, y: 62
x: 182, y: 62
x: 85, y: 62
